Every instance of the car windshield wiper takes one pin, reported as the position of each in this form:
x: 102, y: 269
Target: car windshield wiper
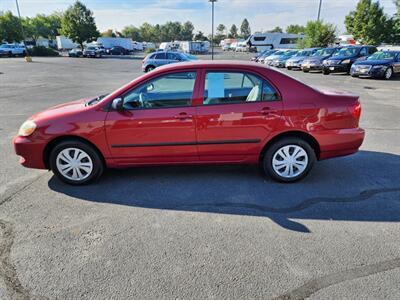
x: 95, y: 100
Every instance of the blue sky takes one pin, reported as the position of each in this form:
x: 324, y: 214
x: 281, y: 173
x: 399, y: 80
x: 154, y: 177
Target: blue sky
x: 262, y: 14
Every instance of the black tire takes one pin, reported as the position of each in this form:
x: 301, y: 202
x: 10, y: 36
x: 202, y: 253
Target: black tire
x: 275, y: 147
x: 23, y: 53
x: 149, y: 68
x: 97, y: 162
x: 306, y: 71
x: 10, y: 54
x: 325, y: 72
x: 289, y: 68
x: 386, y: 74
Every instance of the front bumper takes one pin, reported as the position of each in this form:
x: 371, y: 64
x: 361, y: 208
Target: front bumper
x: 337, y: 68
x: 293, y: 64
x: 311, y: 66
x: 339, y: 142
x: 368, y: 72
x: 30, y: 152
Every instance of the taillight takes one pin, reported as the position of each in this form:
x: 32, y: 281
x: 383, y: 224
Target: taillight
x: 355, y: 110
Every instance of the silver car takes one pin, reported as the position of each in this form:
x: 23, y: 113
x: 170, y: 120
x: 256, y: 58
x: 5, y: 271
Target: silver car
x: 296, y: 60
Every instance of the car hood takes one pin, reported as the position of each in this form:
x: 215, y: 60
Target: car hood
x: 296, y: 58
x: 374, y: 62
x: 61, y: 109
x: 341, y: 57
x: 320, y: 58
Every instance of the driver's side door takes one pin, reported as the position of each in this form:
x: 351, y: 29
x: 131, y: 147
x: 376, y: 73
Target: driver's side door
x: 157, y: 124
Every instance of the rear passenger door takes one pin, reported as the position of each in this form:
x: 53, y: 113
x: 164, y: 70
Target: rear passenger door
x: 239, y: 111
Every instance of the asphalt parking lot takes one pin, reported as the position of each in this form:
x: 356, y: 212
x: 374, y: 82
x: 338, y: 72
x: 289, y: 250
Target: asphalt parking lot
x: 214, y: 232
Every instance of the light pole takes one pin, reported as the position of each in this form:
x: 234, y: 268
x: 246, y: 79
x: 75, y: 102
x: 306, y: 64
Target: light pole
x: 27, y: 57
x: 212, y: 29
x: 319, y: 9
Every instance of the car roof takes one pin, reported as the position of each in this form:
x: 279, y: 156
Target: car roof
x: 212, y: 63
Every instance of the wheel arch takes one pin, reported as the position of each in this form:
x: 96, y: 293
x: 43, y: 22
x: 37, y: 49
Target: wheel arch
x: 298, y: 134
x: 54, y: 142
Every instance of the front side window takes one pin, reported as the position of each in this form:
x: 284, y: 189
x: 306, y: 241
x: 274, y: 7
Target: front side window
x: 236, y: 87
x: 173, y: 56
x: 171, y: 90
x: 364, y: 51
x: 160, y: 56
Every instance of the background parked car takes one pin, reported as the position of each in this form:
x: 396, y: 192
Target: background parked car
x: 296, y: 60
x: 382, y: 64
x: 280, y: 61
x: 12, y: 49
x: 117, y: 50
x: 270, y: 58
x: 76, y: 52
x: 314, y: 62
x: 341, y: 61
x: 161, y: 58
x: 262, y: 54
x: 241, y: 48
x: 92, y: 52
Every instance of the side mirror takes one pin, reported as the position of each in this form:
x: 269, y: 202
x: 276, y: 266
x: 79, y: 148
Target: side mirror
x: 150, y: 87
x: 118, y: 104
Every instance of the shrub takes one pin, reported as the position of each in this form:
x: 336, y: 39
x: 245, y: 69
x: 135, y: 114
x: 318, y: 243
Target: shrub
x: 42, y: 51
x: 149, y: 50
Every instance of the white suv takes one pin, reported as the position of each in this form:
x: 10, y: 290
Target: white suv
x: 12, y: 49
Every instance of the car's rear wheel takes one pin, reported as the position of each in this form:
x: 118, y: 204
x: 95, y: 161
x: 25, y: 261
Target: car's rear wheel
x: 388, y: 73
x: 76, y: 163
x: 150, y: 68
x: 305, y: 71
x: 288, y: 159
x: 289, y: 68
x: 325, y: 72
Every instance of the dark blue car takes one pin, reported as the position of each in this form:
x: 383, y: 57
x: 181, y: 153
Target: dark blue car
x: 382, y: 64
x: 341, y: 61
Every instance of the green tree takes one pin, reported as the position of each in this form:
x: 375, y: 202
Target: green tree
x: 78, y: 24
x: 147, y: 32
x: 294, y: 28
x: 221, y: 29
x: 277, y: 29
x: 187, y: 31
x: 199, y: 36
x: 42, y: 26
x: 397, y: 22
x: 132, y: 32
x: 368, y: 23
x: 233, y: 32
x: 318, y: 34
x: 245, y: 30
x: 10, y: 28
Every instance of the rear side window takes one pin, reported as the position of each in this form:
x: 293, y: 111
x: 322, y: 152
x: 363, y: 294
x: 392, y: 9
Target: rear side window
x: 364, y: 51
x: 236, y: 87
x: 160, y: 56
x: 173, y: 56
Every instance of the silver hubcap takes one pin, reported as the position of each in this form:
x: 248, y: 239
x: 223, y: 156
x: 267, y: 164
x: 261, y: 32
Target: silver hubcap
x: 388, y: 73
x: 74, y: 164
x: 290, y: 161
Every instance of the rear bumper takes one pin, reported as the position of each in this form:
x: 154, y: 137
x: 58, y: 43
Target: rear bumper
x: 339, y: 142
x: 30, y: 152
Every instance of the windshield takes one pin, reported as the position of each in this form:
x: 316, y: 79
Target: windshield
x: 347, y: 52
x: 381, y: 55
x: 324, y: 52
x: 91, y: 48
x: 289, y: 53
x: 302, y: 53
x: 95, y: 100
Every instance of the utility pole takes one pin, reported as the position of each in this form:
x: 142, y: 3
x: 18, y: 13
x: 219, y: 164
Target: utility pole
x: 27, y: 57
x: 319, y: 10
x: 212, y: 27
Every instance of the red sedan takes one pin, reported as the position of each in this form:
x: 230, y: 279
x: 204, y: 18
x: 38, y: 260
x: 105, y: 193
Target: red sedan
x: 195, y: 113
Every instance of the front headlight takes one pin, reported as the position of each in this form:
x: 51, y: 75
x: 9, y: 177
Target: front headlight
x: 346, y: 61
x: 27, y: 128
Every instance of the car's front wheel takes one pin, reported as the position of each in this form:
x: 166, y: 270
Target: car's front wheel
x: 75, y: 162
x: 150, y: 68
x: 388, y: 73
x: 288, y: 159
